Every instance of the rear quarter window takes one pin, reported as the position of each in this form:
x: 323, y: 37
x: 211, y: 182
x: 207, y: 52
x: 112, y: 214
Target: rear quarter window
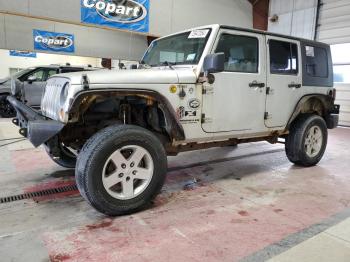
x: 316, y: 61
x: 317, y: 64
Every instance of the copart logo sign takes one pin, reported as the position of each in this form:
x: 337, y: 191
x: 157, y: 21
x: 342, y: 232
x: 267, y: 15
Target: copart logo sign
x: 132, y: 15
x: 54, y: 42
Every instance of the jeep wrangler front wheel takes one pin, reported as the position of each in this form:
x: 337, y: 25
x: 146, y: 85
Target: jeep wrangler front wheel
x: 121, y: 169
x: 307, y: 140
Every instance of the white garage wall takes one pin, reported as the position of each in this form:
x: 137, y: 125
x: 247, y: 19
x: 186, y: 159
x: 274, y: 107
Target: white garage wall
x: 343, y: 99
x: 334, y: 22
x: 16, y: 32
x: 295, y: 17
x: 169, y: 16
x: 166, y: 16
x: 334, y: 29
x: 7, y: 61
x: 19, y: 17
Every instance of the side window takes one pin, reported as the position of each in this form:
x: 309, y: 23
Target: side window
x: 283, y: 57
x: 50, y: 73
x: 316, y: 61
x: 241, y: 53
x: 38, y: 75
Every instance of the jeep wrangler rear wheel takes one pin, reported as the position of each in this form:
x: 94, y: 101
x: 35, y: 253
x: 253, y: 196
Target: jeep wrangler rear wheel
x: 307, y: 140
x: 121, y: 169
x: 6, y: 109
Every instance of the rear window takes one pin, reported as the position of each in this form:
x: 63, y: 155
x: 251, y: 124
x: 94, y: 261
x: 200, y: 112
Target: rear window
x: 316, y: 61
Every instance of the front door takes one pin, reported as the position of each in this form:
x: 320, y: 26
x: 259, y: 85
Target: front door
x: 236, y: 101
x: 284, y: 80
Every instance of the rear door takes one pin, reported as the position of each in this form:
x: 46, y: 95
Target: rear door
x: 284, y: 80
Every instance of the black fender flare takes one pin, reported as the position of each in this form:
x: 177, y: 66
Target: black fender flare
x: 326, y: 101
x: 173, y: 126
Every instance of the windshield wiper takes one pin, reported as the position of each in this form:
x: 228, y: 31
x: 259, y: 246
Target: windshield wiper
x: 170, y: 65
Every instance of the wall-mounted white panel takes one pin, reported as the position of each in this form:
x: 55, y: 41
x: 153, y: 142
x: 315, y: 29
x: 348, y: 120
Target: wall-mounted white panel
x: 187, y: 14
x: 64, y: 10
x: 166, y: 16
x: 15, y: 6
x: 295, y: 17
x: 161, y: 17
x: 19, y: 31
x: 281, y: 7
x: 283, y: 26
x: 89, y: 41
x: 304, y: 23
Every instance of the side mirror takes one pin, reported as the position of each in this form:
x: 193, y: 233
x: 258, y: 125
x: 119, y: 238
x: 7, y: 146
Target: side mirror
x: 31, y: 79
x: 214, y: 63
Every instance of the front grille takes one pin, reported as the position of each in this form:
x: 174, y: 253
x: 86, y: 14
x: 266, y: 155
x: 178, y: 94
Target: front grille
x: 51, y: 101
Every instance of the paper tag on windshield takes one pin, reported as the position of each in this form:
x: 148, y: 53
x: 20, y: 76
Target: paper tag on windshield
x: 199, y: 33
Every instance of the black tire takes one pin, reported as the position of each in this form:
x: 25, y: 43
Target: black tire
x: 297, y: 140
x: 6, y: 109
x: 95, y: 156
x: 67, y: 159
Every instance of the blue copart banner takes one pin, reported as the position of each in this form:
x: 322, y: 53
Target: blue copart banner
x: 131, y: 15
x: 22, y: 53
x: 54, y: 42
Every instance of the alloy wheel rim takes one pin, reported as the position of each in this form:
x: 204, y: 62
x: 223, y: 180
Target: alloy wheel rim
x: 128, y: 172
x: 313, y: 141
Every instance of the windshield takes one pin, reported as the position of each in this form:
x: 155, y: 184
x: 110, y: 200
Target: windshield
x: 182, y: 49
x: 21, y: 73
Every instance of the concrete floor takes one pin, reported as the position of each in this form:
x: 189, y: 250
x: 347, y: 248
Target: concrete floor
x: 225, y: 204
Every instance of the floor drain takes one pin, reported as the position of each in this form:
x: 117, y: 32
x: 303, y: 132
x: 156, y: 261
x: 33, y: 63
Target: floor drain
x: 47, y: 192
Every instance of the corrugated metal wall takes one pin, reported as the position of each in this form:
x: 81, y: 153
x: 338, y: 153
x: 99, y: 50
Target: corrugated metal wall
x: 295, y: 17
x: 334, y: 28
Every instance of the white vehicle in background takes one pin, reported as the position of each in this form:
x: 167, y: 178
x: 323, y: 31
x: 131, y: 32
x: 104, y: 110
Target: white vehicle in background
x: 207, y: 87
x: 28, y: 85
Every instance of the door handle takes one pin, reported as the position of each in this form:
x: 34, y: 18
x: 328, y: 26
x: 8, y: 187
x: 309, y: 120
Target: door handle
x: 294, y: 85
x: 256, y: 84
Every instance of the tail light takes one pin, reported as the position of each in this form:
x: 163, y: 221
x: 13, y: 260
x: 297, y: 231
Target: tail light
x: 333, y: 93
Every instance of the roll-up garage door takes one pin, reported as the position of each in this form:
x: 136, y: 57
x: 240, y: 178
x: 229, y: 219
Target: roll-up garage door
x: 334, y: 22
x: 334, y: 28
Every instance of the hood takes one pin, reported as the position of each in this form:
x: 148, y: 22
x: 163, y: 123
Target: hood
x: 3, y: 80
x: 137, y: 76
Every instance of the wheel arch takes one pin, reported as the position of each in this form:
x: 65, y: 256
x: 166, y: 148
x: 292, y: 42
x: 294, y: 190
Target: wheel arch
x: 312, y: 104
x: 173, y: 127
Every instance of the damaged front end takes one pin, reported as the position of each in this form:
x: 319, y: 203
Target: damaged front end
x: 34, y: 126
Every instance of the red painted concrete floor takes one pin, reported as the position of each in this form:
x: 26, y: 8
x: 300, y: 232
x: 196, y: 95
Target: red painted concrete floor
x: 222, y: 204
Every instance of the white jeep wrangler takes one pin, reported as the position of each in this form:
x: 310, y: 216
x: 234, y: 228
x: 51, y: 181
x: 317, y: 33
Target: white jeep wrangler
x: 207, y: 87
